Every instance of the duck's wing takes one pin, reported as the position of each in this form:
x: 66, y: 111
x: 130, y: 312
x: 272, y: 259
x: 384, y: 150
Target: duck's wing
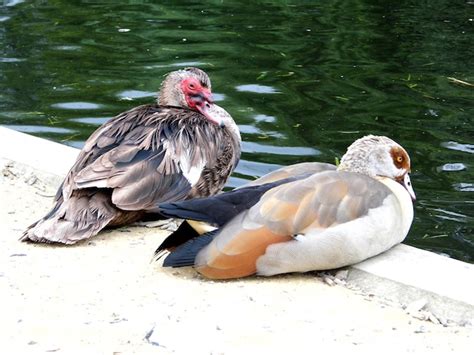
x: 218, y: 210
x: 159, y: 160
x: 318, y: 202
x: 107, y: 137
x: 291, y: 171
x: 209, y: 213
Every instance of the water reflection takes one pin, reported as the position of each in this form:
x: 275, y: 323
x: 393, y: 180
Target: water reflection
x: 263, y: 134
x: 68, y: 48
x: 264, y: 118
x: 11, y: 60
x: 95, y: 121
x: 39, y: 129
x: 449, y: 215
x: 135, y: 94
x: 258, y: 89
x: 467, y: 148
x: 248, y: 168
x: 77, y: 106
x: 453, y: 167
x: 464, y: 187
x: 176, y: 65
x: 12, y: 2
x: 253, y: 147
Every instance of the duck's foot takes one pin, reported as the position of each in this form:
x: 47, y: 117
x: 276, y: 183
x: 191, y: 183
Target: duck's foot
x: 170, y: 225
x: 335, y: 277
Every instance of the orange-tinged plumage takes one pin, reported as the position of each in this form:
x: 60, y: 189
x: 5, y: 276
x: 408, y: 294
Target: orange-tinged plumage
x: 316, y: 218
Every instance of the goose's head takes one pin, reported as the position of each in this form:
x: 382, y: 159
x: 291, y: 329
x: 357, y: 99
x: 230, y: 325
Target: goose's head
x: 379, y: 156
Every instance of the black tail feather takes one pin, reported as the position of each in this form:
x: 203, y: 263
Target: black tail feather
x: 185, y: 254
x: 181, y: 235
x: 218, y: 209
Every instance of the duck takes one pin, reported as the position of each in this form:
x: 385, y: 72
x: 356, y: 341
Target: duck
x: 183, y: 146
x: 300, y: 218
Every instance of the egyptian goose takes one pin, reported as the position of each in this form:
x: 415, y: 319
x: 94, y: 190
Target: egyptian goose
x: 183, y: 147
x: 304, y: 217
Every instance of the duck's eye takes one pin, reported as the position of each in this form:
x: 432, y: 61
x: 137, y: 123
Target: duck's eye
x: 192, y: 86
x: 399, y: 159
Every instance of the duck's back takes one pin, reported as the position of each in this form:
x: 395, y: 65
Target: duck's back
x: 138, y: 159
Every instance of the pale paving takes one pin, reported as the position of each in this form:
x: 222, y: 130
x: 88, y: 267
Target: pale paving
x: 105, y: 296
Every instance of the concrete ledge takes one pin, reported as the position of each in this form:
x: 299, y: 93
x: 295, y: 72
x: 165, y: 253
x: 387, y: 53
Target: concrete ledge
x: 403, y: 274
x: 40, y: 154
x: 406, y: 275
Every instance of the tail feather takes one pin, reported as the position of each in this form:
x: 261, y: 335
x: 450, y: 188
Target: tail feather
x: 185, y: 254
x: 181, y: 235
x: 218, y: 209
x: 58, y: 230
x: 72, y: 220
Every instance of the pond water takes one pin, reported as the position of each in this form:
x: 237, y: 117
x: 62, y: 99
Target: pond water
x: 302, y: 79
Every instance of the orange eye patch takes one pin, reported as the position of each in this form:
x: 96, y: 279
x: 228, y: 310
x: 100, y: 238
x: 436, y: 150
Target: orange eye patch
x: 400, y: 158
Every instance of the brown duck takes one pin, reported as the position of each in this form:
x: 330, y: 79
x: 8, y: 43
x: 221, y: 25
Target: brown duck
x: 183, y: 147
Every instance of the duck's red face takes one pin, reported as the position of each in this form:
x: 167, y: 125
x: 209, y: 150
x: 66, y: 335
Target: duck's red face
x: 198, y: 97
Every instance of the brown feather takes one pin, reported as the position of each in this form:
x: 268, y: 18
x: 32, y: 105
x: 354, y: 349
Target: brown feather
x: 238, y: 258
x: 134, y: 162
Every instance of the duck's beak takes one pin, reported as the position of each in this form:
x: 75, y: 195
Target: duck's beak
x: 206, y: 108
x: 406, y: 182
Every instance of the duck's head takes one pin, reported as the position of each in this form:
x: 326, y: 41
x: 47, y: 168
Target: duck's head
x: 379, y: 156
x: 189, y: 88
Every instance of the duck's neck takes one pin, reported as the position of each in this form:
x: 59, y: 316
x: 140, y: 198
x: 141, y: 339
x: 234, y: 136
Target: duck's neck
x: 404, y: 198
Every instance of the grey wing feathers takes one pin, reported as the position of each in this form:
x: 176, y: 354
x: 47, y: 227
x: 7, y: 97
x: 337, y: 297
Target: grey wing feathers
x: 152, y: 163
x: 318, y: 202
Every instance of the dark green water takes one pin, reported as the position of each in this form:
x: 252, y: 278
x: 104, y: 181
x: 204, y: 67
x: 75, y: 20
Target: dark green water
x: 302, y: 79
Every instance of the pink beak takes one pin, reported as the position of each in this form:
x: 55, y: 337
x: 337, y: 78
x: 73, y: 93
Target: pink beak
x: 205, y: 107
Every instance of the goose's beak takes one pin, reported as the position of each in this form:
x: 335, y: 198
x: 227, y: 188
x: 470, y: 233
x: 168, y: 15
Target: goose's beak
x: 407, y: 185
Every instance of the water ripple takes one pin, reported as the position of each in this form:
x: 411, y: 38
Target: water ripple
x: 255, y: 169
x: 259, y: 89
x: 452, y: 167
x: 250, y: 129
x: 450, y: 215
x: 77, y: 105
x: 135, y: 94
x: 264, y: 118
x: 39, y: 129
x: 178, y: 64
x: 12, y: 2
x: 97, y: 121
x: 11, y: 60
x: 68, y: 48
x: 464, y: 187
x: 252, y: 147
x: 468, y: 148
x: 235, y: 181
x: 218, y: 97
